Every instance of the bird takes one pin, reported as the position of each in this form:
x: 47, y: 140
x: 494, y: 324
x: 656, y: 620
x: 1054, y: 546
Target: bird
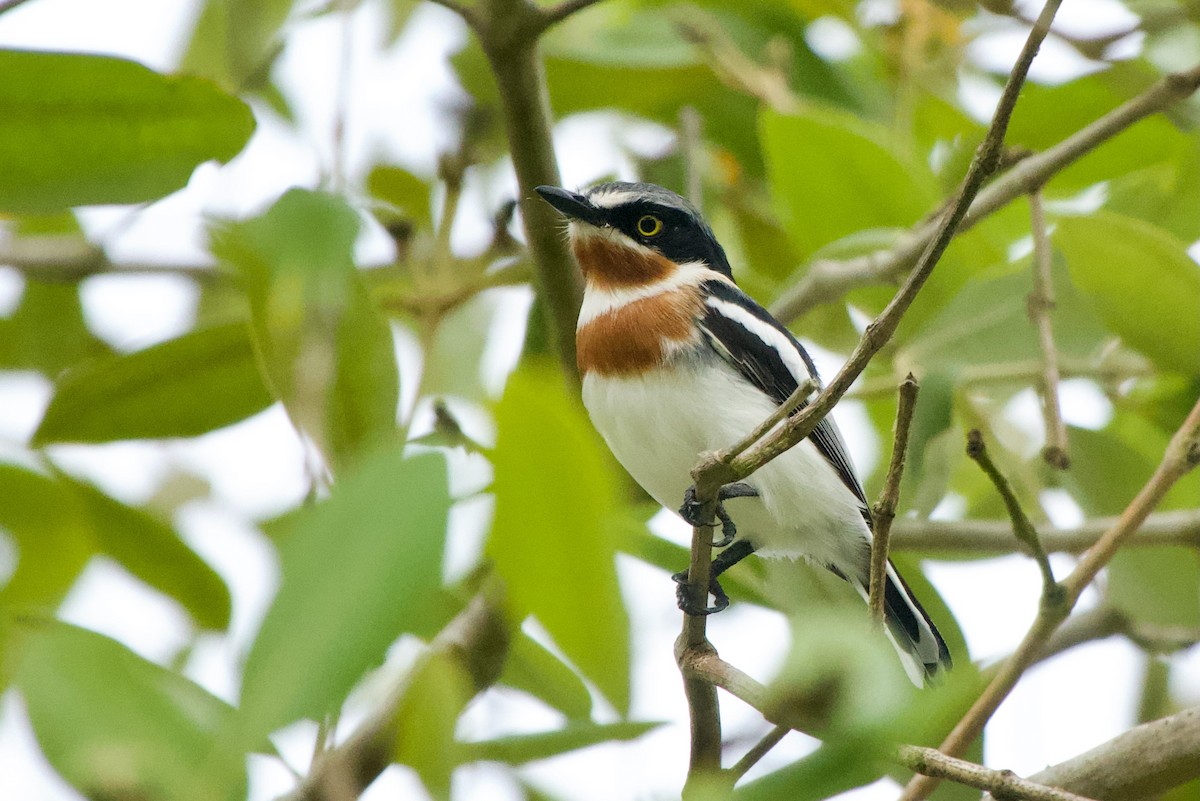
x: 676, y: 360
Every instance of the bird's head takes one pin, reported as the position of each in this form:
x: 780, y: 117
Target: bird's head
x: 626, y: 235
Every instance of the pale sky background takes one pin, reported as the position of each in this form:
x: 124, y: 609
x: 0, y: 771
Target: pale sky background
x: 256, y: 467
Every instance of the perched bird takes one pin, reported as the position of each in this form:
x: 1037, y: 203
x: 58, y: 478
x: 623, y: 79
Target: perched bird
x: 677, y: 360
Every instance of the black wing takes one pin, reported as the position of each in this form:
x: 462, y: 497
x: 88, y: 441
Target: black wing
x: 765, y: 352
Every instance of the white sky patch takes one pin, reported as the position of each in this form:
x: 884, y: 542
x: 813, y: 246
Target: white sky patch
x: 12, y: 288
x: 1084, y: 404
x: 23, y: 397
x: 1061, y: 508
x: 832, y: 39
x: 135, y: 312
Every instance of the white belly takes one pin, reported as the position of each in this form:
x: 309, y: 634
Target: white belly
x: 657, y: 425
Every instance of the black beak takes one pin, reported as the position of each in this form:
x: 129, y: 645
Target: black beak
x: 570, y: 204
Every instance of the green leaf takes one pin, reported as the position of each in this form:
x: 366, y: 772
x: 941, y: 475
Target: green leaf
x: 59, y: 523
x: 405, y: 191
x: 152, y: 551
x: 235, y: 43
x: 325, y: 348
x: 1142, y: 282
x: 184, y: 387
x: 117, y: 726
x: 359, y: 569
x: 1157, y: 585
x: 82, y: 129
x: 522, y: 748
x: 552, y: 540
x: 47, y: 332
x: 833, y: 174
x: 533, y: 669
x: 438, y: 690
x: 835, y: 767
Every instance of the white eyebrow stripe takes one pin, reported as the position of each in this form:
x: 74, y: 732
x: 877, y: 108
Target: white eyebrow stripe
x: 598, y: 302
x: 612, y: 198
x: 770, y: 335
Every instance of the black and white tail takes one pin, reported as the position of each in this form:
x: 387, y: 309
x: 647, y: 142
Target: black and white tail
x: 922, y: 650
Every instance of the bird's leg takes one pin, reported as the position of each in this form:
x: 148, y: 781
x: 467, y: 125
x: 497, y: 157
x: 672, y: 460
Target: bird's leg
x: 691, y: 509
x: 727, y: 559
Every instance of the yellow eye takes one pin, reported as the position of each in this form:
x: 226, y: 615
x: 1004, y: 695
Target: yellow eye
x: 649, y: 226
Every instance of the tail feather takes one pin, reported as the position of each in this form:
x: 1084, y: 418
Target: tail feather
x: 922, y: 650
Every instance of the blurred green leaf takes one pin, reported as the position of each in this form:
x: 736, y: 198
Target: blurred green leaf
x: 551, y: 539
x: 325, y: 348
x: 1048, y: 114
x: 438, y: 690
x: 199, y: 382
x: 1157, y: 585
x: 59, y: 523
x: 405, y: 191
x: 83, y: 129
x: 53, y: 539
x: 835, y: 767
x: 534, y: 669
x: 833, y: 174
x: 235, y: 43
x: 359, y: 569
x: 1142, y: 282
x: 47, y: 331
x: 151, y: 550
x: 519, y: 749
x: 117, y: 726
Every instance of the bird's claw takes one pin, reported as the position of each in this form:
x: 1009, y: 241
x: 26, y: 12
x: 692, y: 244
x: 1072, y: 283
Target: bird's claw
x: 683, y: 599
x: 692, y: 511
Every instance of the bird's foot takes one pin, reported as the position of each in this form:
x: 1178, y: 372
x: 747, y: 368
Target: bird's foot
x: 692, y: 510
x: 683, y: 600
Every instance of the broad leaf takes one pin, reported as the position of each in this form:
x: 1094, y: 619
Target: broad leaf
x: 359, y: 569
x: 326, y: 350
x: 518, y: 749
x: 1142, y: 282
x: 83, y: 129
x: 117, y: 726
x: 184, y: 387
x: 532, y: 668
x: 553, y: 540
x: 437, y: 691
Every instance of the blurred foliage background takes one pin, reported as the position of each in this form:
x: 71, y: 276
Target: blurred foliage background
x: 455, y: 543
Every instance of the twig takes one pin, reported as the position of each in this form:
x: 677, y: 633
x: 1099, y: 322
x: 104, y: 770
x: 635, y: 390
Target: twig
x: 826, y: 280
x: 1021, y: 527
x: 1040, y: 305
x: 760, y: 750
x: 718, y: 469
x: 9, y: 5
x: 1182, y: 454
x: 793, y: 402
x: 884, y: 511
x: 710, y: 668
x: 1110, y: 368
x: 558, y: 13
x: 690, y: 149
x: 1143, y: 762
x: 992, y: 537
x: 1003, y: 783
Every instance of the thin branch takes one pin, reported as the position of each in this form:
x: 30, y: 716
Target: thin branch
x: 1141, y: 763
x: 704, y: 711
x: 1109, y: 368
x: 827, y: 280
x: 9, y: 5
x: 710, y: 668
x: 794, y: 401
x: 760, y: 750
x: 1182, y: 454
x: 1004, y: 783
x: 1040, y: 306
x: 994, y: 537
x: 1107, y: 621
x: 556, y: 14
x: 719, y: 469
x: 884, y: 511
x: 1021, y: 527
x: 477, y: 638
